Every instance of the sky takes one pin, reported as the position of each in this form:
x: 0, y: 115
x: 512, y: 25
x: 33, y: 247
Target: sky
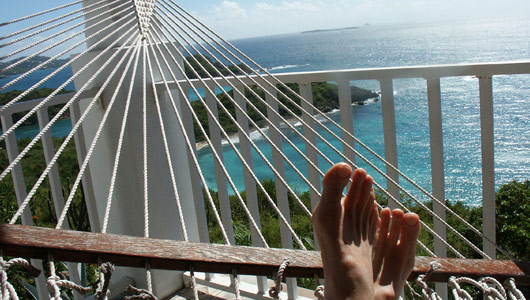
x: 248, y: 18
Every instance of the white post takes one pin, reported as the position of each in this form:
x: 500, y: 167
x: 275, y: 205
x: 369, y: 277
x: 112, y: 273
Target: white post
x: 281, y: 191
x: 437, y: 171
x: 198, y: 195
x: 389, y: 128
x: 488, y: 163
x: 20, y: 191
x: 220, y: 177
x: 56, y: 187
x: 126, y: 216
x: 250, y: 185
x: 312, y: 174
x: 346, y: 118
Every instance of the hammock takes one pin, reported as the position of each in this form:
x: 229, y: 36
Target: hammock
x: 136, y: 66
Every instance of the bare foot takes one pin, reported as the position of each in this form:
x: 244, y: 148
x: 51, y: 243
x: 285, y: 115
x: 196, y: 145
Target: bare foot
x: 393, y: 259
x: 346, y: 231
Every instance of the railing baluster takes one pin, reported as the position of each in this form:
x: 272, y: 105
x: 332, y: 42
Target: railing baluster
x: 389, y: 129
x: 281, y: 191
x: 488, y: 163
x: 222, y: 189
x: 55, y: 186
x: 250, y: 185
x: 346, y: 117
x: 437, y: 170
x: 88, y: 187
x: 200, y: 210
x: 312, y: 174
x: 20, y: 191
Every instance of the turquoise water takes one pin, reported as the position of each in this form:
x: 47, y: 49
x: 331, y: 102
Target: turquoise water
x: 401, y: 46
x: 387, y: 46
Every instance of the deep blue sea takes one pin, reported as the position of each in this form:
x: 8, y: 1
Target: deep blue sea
x: 391, y: 46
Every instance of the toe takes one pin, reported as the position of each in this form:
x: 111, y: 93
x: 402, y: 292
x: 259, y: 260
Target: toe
x: 365, y: 205
x: 410, y: 230
x: 328, y: 209
x: 395, y: 228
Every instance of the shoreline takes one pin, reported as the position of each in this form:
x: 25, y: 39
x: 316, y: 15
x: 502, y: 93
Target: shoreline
x: 292, y: 120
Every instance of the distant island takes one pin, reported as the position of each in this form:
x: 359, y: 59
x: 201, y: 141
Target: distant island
x: 28, y: 65
x: 326, y: 30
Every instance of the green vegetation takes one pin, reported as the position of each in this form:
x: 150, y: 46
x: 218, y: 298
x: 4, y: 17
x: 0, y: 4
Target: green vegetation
x: 41, y: 207
x: 325, y: 97
x: 28, y: 65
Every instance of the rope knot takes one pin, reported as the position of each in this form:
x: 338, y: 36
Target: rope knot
x: 274, y: 292
x: 319, y: 292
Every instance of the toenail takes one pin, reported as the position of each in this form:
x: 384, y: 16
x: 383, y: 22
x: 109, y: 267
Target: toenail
x: 343, y: 171
x: 411, y: 221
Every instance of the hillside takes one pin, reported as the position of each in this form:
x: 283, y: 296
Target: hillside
x: 28, y: 65
x: 325, y: 98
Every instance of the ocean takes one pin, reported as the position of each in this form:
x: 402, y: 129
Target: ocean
x: 372, y: 46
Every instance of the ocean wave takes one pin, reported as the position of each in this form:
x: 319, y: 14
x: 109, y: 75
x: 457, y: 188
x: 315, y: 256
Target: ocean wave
x: 285, y: 67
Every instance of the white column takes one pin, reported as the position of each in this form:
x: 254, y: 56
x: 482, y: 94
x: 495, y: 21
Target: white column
x: 346, y: 118
x: 250, y: 186
x: 437, y: 171
x: 126, y: 216
x: 389, y: 129
x: 220, y: 177
x: 312, y: 174
x: 488, y: 163
x: 20, y: 191
x: 281, y: 191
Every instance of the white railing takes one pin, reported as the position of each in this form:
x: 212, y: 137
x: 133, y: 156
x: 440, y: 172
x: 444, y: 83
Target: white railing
x: 385, y: 76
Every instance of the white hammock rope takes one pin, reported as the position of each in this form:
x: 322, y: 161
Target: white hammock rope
x: 40, y: 13
x: 70, y: 135
x: 255, y: 125
x: 329, y: 131
x: 69, y: 63
x: 49, y: 27
x: 216, y: 156
x: 99, y: 130
x: 167, y: 39
x: 294, y: 147
x: 55, y: 283
x: 144, y: 154
x: 164, y: 139
x: 201, y: 176
x: 253, y: 222
x: 287, y: 140
x: 268, y: 139
x: 73, y: 35
x: 120, y: 145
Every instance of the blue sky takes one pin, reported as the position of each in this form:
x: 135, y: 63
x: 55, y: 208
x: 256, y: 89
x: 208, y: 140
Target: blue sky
x: 247, y: 18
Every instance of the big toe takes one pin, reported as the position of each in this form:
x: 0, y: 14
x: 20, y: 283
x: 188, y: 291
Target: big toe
x: 334, y: 182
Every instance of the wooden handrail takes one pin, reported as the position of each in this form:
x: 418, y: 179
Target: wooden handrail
x: 87, y: 247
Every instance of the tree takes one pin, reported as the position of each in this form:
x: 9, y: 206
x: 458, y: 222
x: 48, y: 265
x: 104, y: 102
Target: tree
x: 513, y: 215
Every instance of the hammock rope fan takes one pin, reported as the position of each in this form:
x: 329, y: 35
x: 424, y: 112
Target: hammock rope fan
x: 139, y: 61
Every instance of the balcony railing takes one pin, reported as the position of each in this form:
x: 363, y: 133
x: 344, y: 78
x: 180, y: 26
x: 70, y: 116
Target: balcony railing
x: 432, y: 76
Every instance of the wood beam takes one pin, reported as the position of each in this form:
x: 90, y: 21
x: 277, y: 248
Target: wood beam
x: 87, y: 247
